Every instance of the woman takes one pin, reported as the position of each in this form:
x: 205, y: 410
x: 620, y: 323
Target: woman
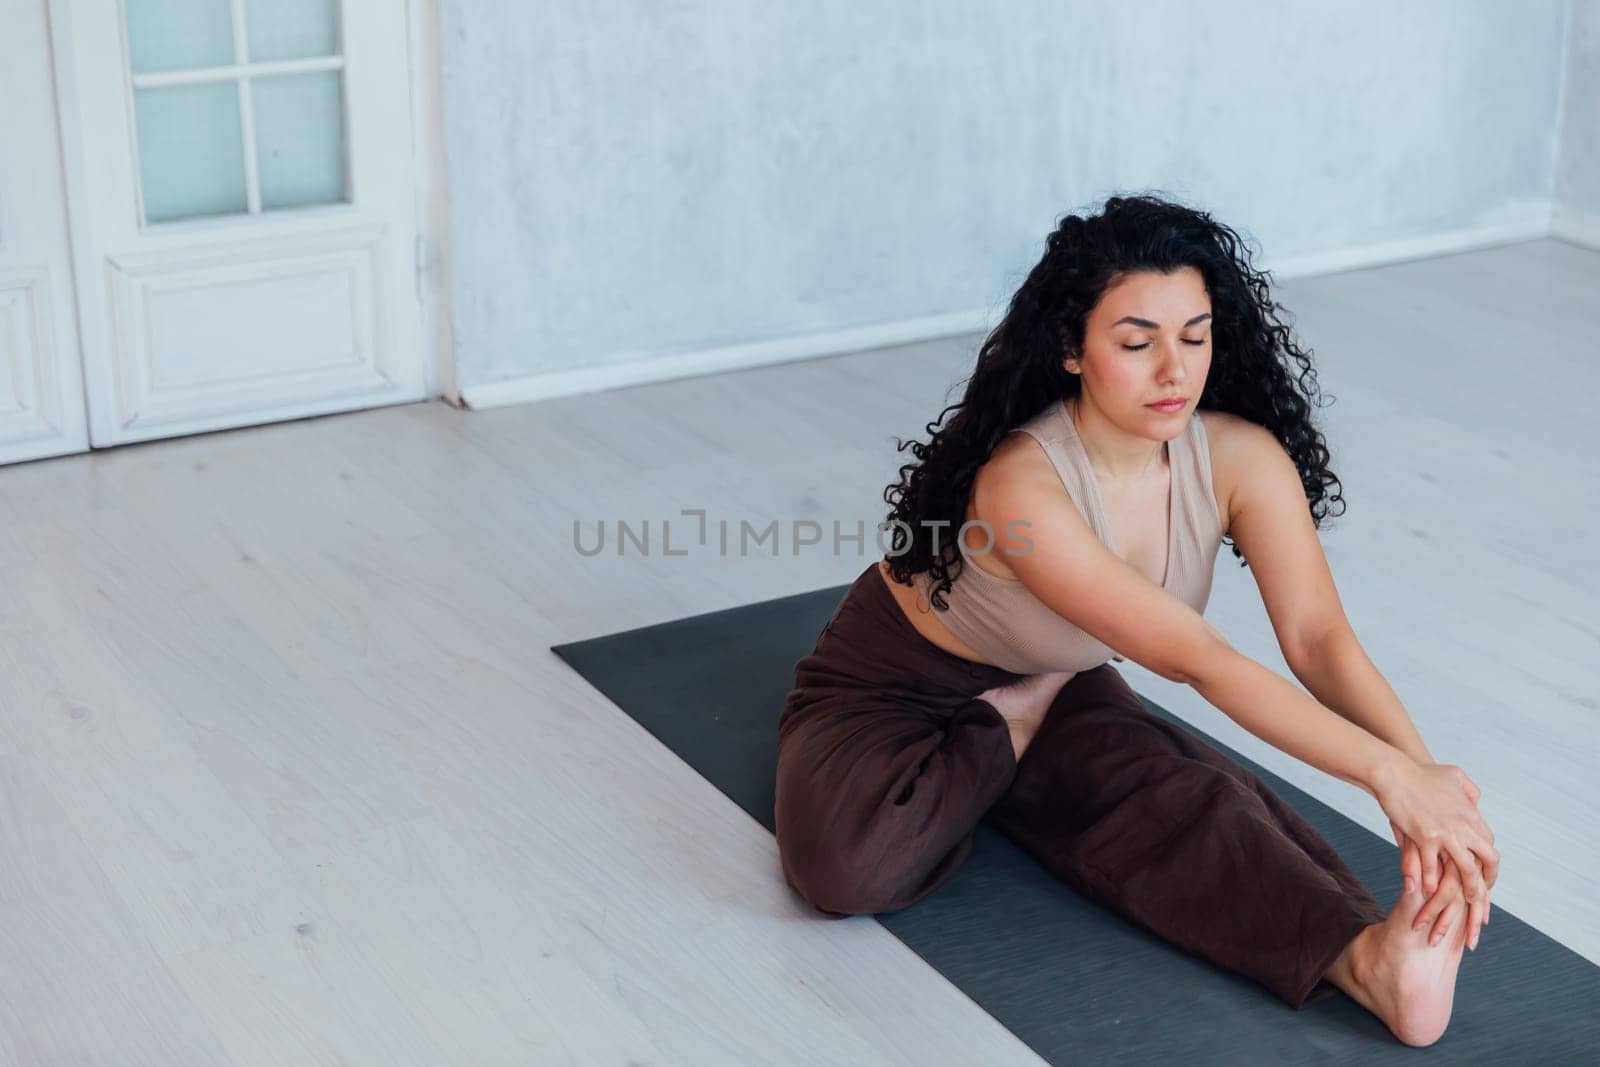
x: 1139, y: 402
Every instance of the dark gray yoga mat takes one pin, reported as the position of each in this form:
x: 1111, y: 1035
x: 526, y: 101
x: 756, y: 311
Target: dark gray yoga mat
x: 1072, y: 980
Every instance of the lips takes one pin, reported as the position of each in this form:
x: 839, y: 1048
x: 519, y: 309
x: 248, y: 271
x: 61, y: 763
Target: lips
x: 1171, y: 402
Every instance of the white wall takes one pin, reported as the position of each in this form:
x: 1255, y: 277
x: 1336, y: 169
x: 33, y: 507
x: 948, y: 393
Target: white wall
x: 633, y: 180
x: 1577, y: 183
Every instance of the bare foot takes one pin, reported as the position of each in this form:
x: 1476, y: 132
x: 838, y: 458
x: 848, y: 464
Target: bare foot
x: 1023, y: 704
x: 1392, y: 971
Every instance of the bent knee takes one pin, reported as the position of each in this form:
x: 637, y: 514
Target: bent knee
x: 839, y: 902
x: 841, y: 889
x: 834, y: 880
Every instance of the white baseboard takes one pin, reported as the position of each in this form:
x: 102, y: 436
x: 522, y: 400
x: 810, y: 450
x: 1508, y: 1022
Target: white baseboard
x: 716, y: 360
x: 552, y: 384
x: 1530, y: 228
x: 1576, y: 228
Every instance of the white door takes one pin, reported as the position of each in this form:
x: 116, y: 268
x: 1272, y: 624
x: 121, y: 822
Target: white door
x: 41, y: 387
x: 243, y: 214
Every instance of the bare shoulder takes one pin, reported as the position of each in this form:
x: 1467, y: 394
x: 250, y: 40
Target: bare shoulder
x: 1018, y: 467
x: 1017, y: 458
x: 1237, y: 447
x: 1015, y: 447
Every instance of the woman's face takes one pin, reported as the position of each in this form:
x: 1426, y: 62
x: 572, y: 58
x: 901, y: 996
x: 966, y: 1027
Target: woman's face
x: 1148, y: 339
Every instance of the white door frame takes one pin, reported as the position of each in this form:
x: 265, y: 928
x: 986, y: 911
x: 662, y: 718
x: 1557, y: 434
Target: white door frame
x: 433, y: 206
x: 41, y: 394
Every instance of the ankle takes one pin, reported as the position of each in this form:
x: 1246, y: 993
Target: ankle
x: 1354, y: 965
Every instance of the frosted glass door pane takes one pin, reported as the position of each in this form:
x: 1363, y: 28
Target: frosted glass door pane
x: 299, y: 139
x: 191, y: 153
x: 179, y: 34
x: 291, y: 29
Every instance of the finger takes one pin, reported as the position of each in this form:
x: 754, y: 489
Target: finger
x: 1473, y: 883
x: 1473, y: 792
x: 1447, y: 897
x: 1447, y: 919
x: 1430, y: 869
x: 1434, y: 909
x: 1489, y: 856
x: 1471, y: 912
x: 1438, y: 902
x: 1455, y: 910
x: 1411, y: 865
x: 1450, y: 917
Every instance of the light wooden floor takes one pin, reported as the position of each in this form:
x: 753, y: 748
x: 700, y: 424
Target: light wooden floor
x: 290, y: 775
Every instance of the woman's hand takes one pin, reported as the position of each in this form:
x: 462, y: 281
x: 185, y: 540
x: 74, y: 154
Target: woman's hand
x: 1434, y: 806
x: 1437, y: 906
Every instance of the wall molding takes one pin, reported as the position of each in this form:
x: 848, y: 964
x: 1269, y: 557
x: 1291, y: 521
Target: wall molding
x: 665, y: 368
x: 1533, y: 225
x: 1577, y: 228
x: 717, y: 360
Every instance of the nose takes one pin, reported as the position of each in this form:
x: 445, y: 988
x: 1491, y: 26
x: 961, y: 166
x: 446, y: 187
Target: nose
x: 1172, y: 367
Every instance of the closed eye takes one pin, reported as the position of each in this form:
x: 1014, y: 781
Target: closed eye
x: 1141, y: 348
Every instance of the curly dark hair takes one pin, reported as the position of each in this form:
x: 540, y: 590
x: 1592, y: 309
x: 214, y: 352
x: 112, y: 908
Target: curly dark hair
x: 1019, y: 368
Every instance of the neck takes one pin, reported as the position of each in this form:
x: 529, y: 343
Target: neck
x: 1114, y: 455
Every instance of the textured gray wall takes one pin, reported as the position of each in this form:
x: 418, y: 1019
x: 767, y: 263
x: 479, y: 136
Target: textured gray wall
x: 630, y: 179
x: 1578, y: 166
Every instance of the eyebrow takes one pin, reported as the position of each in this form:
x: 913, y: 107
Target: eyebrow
x: 1147, y: 324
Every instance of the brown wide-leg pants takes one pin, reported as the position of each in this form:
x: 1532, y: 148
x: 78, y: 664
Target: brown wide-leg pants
x: 887, y: 763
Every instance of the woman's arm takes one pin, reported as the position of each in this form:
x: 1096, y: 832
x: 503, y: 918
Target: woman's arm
x: 1286, y: 717
x: 1266, y: 513
x: 1337, y: 671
